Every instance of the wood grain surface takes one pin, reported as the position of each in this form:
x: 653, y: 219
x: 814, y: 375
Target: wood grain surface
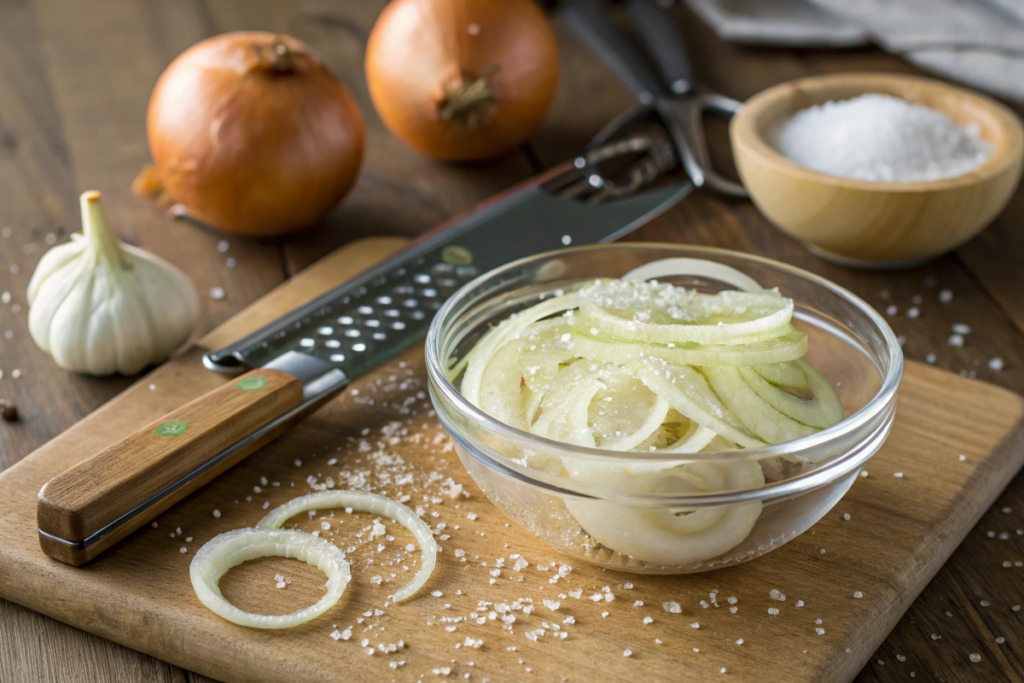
x: 847, y: 580
x: 74, y: 82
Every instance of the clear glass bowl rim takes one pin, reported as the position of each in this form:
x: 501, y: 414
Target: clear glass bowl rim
x: 881, y: 402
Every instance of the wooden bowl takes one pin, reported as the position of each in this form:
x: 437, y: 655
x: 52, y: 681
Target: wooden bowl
x: 876, y: 224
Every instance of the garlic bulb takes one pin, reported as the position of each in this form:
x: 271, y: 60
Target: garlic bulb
x: 99, y: 306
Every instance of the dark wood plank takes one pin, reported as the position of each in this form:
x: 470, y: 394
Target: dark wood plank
x: 986, y: 281
x: 37, y: 648
x: 74, y: 85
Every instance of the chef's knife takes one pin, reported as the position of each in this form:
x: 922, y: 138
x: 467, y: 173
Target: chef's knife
x: 293, y: 365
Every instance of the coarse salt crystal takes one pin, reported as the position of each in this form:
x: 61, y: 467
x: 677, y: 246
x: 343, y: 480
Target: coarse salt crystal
x: 627, y: 652
x: 975, y: 657
x: 914, y: 312
x: 739, y: 641
x: 773, y: 611
x: 956, y: 340
x: 898, y: 475
x: 995, y: 364
x: 820, y: 631
x: 858, y: 594
x: 672, y: 607
x: 945, y: 296
x: 775, y: 594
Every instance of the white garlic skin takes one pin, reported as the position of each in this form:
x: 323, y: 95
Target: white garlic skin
x: 100, y: 307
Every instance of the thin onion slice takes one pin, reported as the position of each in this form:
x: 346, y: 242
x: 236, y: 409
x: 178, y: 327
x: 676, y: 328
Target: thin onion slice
x: 232, y: 548
x: 478, y: 358
x: 822, y: 410
x: 787, y: 375
x: 675, y: 267
x: 688, y: 392
x: 786, y: 347
x: 624, y: 309
x: 670, y: 536
x: 375, y: 505
x: 628, y: 442
x: 757, y: 414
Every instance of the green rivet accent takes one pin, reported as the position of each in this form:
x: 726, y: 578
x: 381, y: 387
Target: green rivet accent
x: 456, y: 255
x: 253, y: 383
x: 171, y: 428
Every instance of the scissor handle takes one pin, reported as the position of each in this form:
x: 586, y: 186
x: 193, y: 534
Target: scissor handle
x: 713, y: 104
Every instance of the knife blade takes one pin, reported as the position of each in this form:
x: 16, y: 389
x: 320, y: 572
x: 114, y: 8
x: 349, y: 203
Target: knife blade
x: 301, y: 360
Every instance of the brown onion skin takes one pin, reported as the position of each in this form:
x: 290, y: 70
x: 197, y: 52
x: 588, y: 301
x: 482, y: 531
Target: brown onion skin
x: 249, y: 150
x: 419, y: 47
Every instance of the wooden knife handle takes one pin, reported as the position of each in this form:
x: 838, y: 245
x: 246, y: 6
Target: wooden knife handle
x: 87, y: 497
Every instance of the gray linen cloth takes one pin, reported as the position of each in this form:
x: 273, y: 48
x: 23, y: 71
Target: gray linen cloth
x: 977, y: 42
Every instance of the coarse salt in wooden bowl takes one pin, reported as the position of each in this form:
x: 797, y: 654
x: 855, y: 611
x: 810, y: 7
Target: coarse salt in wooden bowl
x: 876, y: 224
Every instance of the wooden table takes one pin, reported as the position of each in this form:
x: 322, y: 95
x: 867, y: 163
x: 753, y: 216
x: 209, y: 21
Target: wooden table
x: 75, y: 80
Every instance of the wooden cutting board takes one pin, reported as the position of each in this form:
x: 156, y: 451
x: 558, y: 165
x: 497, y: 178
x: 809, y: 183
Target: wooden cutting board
x: 382, y: 433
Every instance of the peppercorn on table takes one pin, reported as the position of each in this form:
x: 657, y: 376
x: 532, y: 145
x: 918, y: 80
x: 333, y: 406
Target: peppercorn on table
x: 74, y: 84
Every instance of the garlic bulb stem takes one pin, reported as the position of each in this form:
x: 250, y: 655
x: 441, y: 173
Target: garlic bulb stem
x: 96, y: 229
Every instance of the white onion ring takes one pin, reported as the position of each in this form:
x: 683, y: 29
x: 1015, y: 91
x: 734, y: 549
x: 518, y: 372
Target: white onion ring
x: 375, y: 505
x: 232, y: 548
x: 696, y: 267
x: 478, y: 358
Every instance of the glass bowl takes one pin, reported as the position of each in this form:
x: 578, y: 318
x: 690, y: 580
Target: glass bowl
x: 613, y: 524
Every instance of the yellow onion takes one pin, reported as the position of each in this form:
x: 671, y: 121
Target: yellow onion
x: 252, y: 134
x: 462, y: 79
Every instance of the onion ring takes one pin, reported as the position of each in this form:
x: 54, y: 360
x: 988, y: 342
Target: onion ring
x: 375, y: 505
x: 232, y: 548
